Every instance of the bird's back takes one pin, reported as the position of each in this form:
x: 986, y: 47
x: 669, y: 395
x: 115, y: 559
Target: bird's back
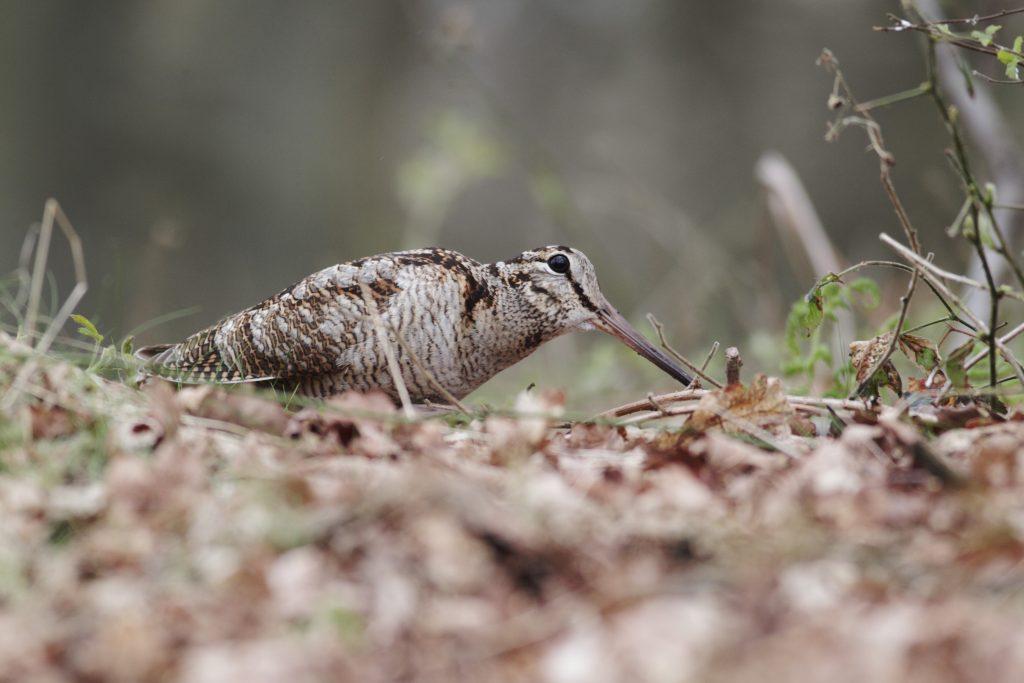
x: 319, y: 335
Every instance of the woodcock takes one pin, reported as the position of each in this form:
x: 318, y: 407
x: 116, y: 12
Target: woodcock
x: 460, y: 320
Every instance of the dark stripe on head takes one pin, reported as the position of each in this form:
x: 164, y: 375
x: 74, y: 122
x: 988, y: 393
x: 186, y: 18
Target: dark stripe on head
x: 580, y: 294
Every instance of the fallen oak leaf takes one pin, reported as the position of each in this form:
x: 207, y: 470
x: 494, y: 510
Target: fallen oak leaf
x: 763, y: 404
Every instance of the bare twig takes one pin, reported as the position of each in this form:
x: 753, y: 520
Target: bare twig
x: 654, y: 403
x: 660, y: 329
x: 874, y: 132
x: 389, y: 353
x: 975, y: 20
x: 976, y: 199
x: 931, y: 31
x: 663, y: 399
x: 711, y: 354
x: 1005, y: 339
x: 904, y: 267
x: 941, y: 273
x: 995, y: 81
x: 733, y: 363
x: 893, y: 99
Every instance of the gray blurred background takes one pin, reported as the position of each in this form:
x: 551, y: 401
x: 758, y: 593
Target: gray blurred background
x: 211, y: 153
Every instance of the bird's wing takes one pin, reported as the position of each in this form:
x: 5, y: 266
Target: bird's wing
x: 300, y: 332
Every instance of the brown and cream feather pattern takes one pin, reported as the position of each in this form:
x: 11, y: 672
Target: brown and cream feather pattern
x: 463, y: 320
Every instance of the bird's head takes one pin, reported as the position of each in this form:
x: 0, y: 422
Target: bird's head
x: 561, y: 284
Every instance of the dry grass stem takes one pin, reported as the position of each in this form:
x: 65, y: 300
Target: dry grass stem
x: 389, y: 352
x: 52, y: 213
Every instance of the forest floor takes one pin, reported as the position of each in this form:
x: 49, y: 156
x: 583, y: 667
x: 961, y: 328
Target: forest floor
x: 212, y: 535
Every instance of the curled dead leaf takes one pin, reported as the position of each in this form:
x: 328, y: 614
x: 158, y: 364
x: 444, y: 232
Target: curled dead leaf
x: 865, y: 354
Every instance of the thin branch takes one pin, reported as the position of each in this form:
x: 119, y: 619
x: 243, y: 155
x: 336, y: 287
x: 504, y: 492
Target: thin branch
x: 975, y: 20
x: 995, y: 294
x: 711, y: 354
x: 944, y: 274
x: 995, y: 81
x: 634, y: 406
x: 932, y: 32
x: 934, y: 274
x: 1005, y: 339
x: 887, y: 100
x: 874, y: 132
x: 908, y: 269
x: 980, y: 117
x: 659, y: 328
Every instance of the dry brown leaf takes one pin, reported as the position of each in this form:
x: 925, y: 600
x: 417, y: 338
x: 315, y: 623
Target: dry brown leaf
x: 763, y: 404
x: 864, y: 355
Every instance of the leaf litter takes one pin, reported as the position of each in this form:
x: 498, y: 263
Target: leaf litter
x: 213, y: 535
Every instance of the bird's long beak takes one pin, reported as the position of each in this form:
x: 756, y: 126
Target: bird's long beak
x: 612, y: 322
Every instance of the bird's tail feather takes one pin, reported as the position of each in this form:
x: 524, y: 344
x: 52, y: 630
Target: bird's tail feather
x: 193, y: 361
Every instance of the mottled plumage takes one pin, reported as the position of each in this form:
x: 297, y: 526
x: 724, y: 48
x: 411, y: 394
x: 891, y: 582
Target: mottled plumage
x: 464, y: 322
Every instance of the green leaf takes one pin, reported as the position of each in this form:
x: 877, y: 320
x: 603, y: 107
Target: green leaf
x: 1010, y: 60
x: 983, y: 38
x: 944, y: 29
x: 1018, y: 44
x: 954, y: 367
x: 990, y: 193
x: 986, y: 231
x: 87, y: 329
x: 127, y: 344
x: 969, y: 229
x: 992, y: 28
x: 954, y: 228
x: 813, y: 314
x: 922, y: 351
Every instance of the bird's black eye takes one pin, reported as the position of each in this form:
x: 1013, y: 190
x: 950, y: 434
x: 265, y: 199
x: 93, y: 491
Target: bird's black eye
x: 559, y: 263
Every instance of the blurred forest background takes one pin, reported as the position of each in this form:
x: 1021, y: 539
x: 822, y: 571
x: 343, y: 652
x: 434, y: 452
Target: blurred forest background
x: 211, y: 153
